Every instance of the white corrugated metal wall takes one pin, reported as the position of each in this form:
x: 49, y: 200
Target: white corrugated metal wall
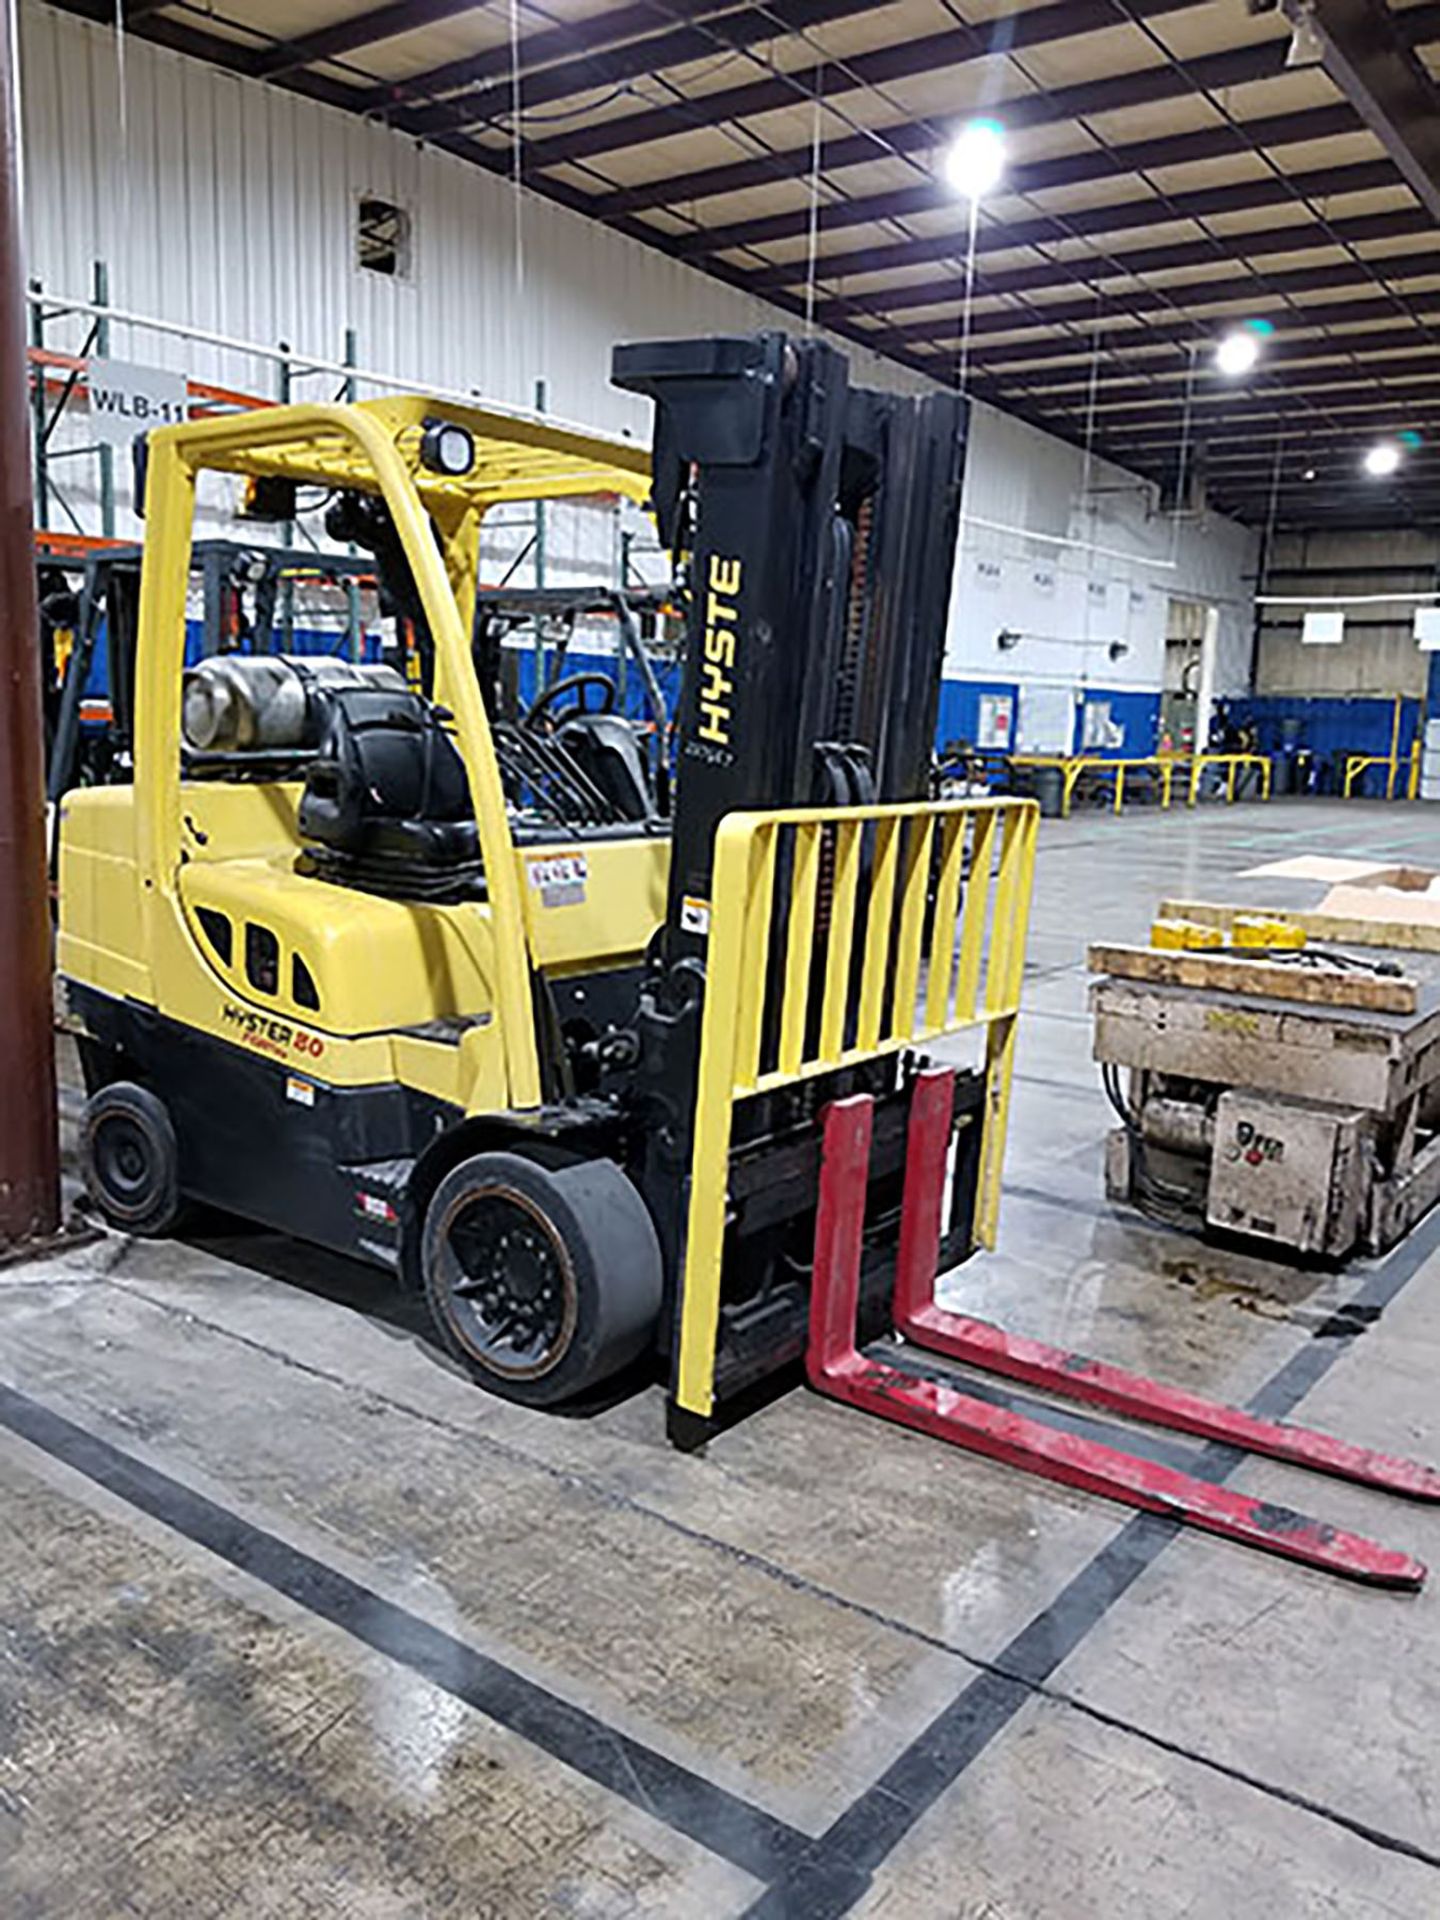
x: 225, y: 205
x: 230, y: 206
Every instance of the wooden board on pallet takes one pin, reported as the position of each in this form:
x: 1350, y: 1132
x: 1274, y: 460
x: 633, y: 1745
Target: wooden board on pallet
x: 1315, y: 986
x: 1406, y: 935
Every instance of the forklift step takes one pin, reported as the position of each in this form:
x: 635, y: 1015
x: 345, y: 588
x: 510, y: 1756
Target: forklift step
x: 836, y: 1368
x: 1074, y: 1376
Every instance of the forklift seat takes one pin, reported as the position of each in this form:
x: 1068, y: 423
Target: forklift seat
x: 607, y: 749
x: 386, y: 805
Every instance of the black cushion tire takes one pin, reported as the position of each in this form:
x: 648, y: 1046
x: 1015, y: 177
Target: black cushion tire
x: 130, y: 1160
x: 545, y: 1282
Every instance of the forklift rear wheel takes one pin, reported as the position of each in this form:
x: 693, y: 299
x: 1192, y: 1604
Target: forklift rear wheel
x: 544, y: 1282
x: 130, y: 1160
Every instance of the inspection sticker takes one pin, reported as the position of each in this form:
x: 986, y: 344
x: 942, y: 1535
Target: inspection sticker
x: 559, y: 878
x: 302, y: 1092
x: 694, y: 915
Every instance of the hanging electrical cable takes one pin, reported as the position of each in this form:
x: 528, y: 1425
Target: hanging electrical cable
x: 1182, y: 463
x: 813, y: 244
x: 967, y: 300
x: 517, y: 148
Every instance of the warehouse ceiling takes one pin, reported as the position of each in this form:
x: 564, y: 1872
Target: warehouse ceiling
x: 1174, y: 168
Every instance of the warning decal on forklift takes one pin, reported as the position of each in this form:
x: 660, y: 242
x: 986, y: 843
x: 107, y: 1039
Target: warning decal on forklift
x: 559, y: 878
x: 694, y: 915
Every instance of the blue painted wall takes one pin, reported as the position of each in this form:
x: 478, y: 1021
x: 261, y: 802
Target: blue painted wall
x: 1329, y: 727
x: 1137, y: 714
x: 959, y: 711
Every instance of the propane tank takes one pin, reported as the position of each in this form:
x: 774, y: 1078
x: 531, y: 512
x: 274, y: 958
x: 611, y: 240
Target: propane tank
x: 249, y: 703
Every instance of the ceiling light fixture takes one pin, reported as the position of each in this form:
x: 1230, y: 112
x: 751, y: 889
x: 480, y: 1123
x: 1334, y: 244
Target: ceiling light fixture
x: 1382, y: 459
x: 1307, y: 43
x: 1239, y: 349
x: 975, y: 159
x: 1309, y: 473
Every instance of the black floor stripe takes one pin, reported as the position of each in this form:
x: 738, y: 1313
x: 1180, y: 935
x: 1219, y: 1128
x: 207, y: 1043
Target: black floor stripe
x: 1092, y: 1209
x: 836, y: 1871
x: 718, y: 1820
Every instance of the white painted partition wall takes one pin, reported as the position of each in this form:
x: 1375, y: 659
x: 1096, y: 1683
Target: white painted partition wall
x: 1096, y: 571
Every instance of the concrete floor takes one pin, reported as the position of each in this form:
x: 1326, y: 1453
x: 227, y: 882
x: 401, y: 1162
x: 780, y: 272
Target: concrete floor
x: 295, y: 1622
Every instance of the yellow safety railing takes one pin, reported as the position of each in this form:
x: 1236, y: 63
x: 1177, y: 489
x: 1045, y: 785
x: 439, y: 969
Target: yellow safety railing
x: 1232, y: 763
x: 1357, y: 764
x: 1070, y: 767
x: 917, y: 932
x: 1162, y: 766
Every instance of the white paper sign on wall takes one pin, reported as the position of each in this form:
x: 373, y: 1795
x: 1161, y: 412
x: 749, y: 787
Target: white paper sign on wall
x: 997, y: 711
x: 1427, y: 629
x: 1323, y: 627
x: 1098, y: 729
x: 126, y: 400
x: 1047, y: 719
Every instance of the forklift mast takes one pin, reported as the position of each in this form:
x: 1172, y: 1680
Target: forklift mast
x: 813, y: 525
x: 817, y: 523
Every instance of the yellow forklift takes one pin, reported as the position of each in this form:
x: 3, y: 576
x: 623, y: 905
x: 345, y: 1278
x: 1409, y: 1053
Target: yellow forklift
x: 447, y: 988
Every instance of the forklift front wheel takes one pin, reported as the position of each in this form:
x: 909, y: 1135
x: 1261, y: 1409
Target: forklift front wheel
x: 544, y: 1282
x: 130, y: 1160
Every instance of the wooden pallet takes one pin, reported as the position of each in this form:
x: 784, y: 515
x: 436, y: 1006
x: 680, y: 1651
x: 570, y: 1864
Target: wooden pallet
x: 1316, y: 986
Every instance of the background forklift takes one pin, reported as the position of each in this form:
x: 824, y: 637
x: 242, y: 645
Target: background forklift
x: 244, y: 598
x: 456, y: 998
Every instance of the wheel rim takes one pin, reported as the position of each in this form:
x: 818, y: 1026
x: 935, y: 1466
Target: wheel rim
x: 124, y: 1162
x: 509, y: 1282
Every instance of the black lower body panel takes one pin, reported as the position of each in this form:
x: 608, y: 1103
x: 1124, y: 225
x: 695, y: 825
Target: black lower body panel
x: 265, y: 1138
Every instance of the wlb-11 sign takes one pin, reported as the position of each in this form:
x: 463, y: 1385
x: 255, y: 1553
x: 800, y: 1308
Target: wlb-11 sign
x: 126, y: 400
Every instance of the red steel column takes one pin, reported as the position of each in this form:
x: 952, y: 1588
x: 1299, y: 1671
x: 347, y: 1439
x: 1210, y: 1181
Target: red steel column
x: 29, y: 1158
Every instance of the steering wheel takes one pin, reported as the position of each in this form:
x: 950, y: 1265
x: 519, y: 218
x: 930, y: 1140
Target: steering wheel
x: 576, y: 683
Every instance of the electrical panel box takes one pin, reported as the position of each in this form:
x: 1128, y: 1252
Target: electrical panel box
x: 1289, y: 1172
